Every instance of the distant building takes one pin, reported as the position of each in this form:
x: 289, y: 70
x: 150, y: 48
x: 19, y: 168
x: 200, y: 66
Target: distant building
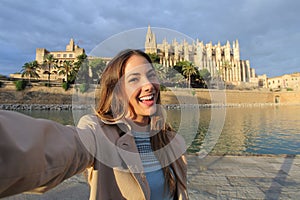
x: 70, y: 54
x: 221, y: 61
x: 291, y: 81
x: 262, y: 81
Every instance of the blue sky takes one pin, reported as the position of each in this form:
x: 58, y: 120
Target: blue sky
x: 267, y: 30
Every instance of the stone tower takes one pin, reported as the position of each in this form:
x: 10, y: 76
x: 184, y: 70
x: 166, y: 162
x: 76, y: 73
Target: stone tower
x: 40, y: 55
x: 71, y: 45
x: 236, y: 50
x: 150, y: 43
x: 227, y: 51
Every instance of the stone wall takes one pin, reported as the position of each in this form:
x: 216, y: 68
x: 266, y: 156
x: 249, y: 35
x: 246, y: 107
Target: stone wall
x: 57, y: 95
x: 288, y: 97
x: 35, y: 95
x: 231, y: 97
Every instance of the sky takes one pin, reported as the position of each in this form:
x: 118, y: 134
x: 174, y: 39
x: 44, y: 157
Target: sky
x: 268, y: 30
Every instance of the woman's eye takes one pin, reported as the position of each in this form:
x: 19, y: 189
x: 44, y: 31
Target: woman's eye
x: 132, y: 80
x: 152, y: 76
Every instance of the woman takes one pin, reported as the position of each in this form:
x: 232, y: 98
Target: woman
x: 129, y: 150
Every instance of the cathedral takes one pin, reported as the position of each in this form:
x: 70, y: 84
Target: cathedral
x: 221, y: 61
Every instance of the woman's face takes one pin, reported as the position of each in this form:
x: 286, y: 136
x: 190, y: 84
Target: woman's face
x: 141, y: 88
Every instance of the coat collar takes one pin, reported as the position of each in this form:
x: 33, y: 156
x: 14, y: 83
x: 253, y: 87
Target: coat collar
x: 126, y: 146
x: 128, y: 152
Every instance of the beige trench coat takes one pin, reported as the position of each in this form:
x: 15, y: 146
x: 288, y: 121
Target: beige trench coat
x: 37, y: 154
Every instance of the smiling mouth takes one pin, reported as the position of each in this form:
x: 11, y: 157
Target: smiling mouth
x: 148, y: 100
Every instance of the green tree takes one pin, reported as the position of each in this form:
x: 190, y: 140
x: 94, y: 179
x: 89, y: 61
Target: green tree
x: 30, y: 70
x: 205, y: 76
x: 66, y: 69
x: 188, y: 69
x: 50, y: 64
x: 81, y: 69
x: 97, y: 66
x: 154, y: 57
x: 160, y: 71
x: 178, y: 79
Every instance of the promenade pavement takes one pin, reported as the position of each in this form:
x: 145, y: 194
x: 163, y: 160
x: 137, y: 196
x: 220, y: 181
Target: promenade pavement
x: 214, y: 177
x: 244, y: 177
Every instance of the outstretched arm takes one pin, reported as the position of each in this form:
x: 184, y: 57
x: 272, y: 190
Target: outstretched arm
x: 38, y: 154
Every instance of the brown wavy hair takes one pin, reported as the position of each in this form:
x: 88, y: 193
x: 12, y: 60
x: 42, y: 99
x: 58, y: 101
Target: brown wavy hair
x: 113, y: 106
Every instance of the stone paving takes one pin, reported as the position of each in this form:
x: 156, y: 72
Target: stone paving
x: 244, y: 177
x: 214, y: 177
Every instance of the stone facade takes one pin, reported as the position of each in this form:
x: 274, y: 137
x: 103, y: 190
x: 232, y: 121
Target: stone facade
x: 70, y: 54
x: 291, y: 81
x: 221, y: 61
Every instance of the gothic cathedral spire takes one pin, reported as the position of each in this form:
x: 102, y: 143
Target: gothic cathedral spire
x: 150, y: 43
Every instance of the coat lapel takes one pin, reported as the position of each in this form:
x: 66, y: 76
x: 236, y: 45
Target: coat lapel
x: 129, y: 153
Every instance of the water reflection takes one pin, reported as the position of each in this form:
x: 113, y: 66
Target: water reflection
x: 63, y: 116
x: 255, y: 130
x: 265, y: 130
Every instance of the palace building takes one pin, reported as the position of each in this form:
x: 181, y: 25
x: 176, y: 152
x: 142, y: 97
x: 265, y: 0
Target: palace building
x: 286, y: 81
x: 70, y: 54
x: 221, y: 61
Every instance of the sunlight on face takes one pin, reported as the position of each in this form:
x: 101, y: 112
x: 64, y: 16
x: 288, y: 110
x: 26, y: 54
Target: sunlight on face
x: 141, y: 88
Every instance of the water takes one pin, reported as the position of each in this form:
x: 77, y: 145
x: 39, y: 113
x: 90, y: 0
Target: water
x: 253, y: 130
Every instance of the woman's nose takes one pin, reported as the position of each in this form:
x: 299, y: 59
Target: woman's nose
x: 147, y: 85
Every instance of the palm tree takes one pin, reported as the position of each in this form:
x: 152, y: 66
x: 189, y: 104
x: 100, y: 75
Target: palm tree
x: 31, y: 70
x: 188, y: 69
x: 80, y: 60
x: 82, y: 64
x: 50, y: 62
x: 66, y: 69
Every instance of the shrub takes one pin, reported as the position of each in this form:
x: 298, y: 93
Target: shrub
x: 3, y: 77
x: 84, y: 87
x: 164, y: 88
x: 289, y: 89
x: 66, y: 85
x: 47, y: 84
x: 20, y: 85
x: 193, y: 92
